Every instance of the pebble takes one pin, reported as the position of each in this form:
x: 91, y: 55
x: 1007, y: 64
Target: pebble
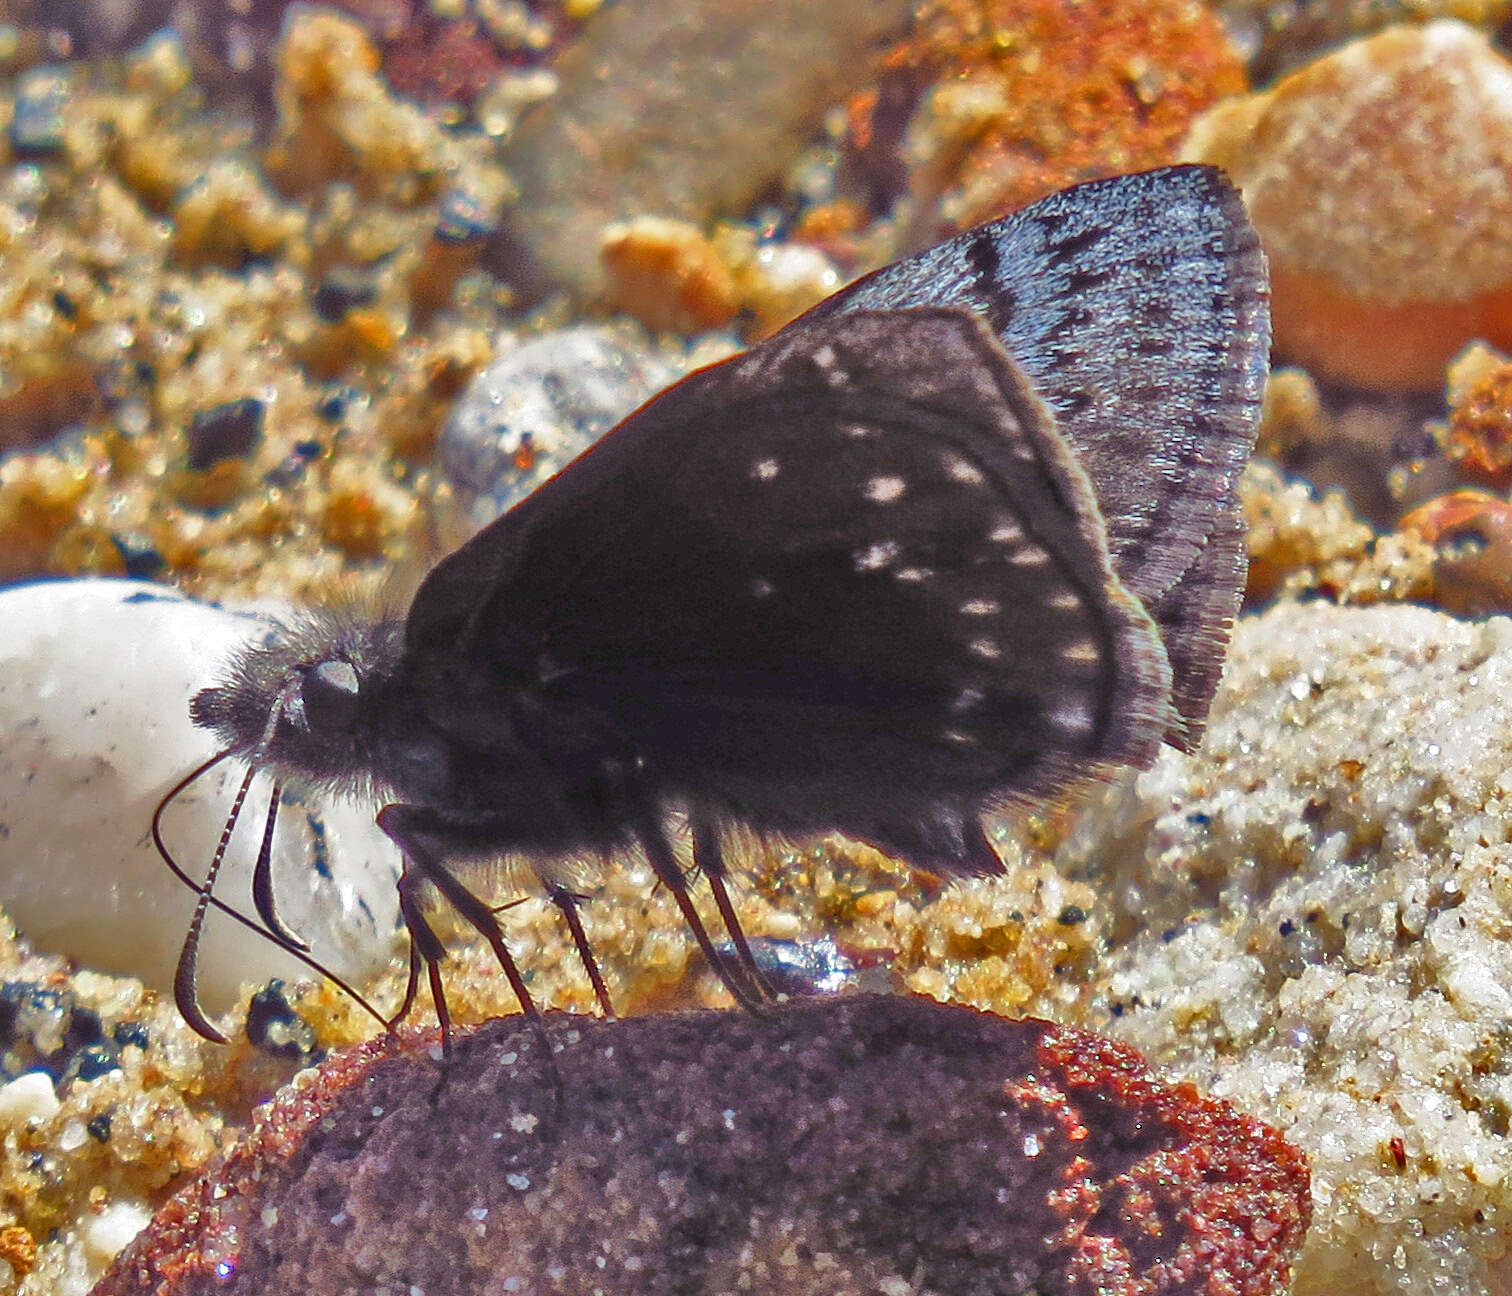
x: 1310, y: 919
x: 1471, y: 532
x: 30, y: 1097
x: 539, y: 406
x: 1380, y: 180
x: 228, y: 431
x: 693, y: 107
x: 859, y: 1144
x: 36, y: 128
x: 991, y: 104
x: 95, y: 682
x: 1279, y: 34
x: 1478, y: 436
x: 667, y: 275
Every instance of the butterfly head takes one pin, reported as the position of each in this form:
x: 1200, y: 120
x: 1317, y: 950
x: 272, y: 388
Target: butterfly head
x: 303, y: 701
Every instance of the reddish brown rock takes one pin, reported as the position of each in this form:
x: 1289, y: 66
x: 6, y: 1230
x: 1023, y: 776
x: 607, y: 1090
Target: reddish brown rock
x: 991, y: 104
x: 1478, y: 436
x: 853, y: 1145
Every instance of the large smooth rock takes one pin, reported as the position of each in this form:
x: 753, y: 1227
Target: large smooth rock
x: 95, y: 682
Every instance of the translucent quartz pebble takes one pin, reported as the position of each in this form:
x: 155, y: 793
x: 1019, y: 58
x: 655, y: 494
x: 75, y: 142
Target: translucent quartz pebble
x: 95, y: 682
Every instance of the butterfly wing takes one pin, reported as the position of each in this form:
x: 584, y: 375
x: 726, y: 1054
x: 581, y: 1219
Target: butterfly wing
x: 851, y: 579
x: 1137, y: 307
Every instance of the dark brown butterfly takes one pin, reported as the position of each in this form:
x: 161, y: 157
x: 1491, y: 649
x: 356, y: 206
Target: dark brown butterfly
x: 962, y: 536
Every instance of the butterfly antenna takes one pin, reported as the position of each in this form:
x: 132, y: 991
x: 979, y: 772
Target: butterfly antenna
x: 262, y: 878
x: 709, y: 855
x: 197, y: 1021
x: 186, y: 976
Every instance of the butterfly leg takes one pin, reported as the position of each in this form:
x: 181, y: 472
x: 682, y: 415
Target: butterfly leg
x: 426, y: 947
x: 414, y: 833
x: 411, y: 983
x: 567, y: 905
x: 709, y: 855
x: 653, y: 836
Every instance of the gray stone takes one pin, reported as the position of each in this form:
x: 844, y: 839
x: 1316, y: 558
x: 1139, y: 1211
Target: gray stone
x: 539, y: 406
x: 684, y: 108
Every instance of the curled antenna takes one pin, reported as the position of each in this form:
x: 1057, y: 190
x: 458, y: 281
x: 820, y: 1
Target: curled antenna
x: 192, y: 1013
x: 186, y: 976
x: 262, y: 878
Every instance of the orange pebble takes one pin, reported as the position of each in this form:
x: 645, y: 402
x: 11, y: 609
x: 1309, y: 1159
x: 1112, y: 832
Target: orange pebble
x: 668, y: 275
x: 1380, y: 179
x: 1472, y: 533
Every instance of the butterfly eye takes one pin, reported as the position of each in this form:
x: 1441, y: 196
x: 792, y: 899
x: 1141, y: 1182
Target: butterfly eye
x: 328, y: 696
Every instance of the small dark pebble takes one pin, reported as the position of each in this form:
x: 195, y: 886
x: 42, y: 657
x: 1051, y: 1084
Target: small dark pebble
x: 836, y: 1146
x: 132, y: 1033
x: 228, y: 431
x: 91, y: 1062
x: 36, y: 128
x: 332, y: 406
x: 1072, y: 916
x: 275, y: 1028
x: 47, y: 1030
x: 98, y: 1127
x: 84, y: 1028
x: 341, y: 292
x: 139, y: 558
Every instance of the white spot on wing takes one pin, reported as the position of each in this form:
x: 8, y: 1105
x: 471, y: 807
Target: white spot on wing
x: 962, y: 470
x: 1073, y: 718
x: 987, y: 648
x: 1005, y: 531
x: 1064, y: 601
x: 966, y: 699
x: 957, y: 737
x: 913, y: 574
x: 1029, y: 556
x: 885, y: 489
x: 765, y: 469
x: 981, y: 607
x: 857, y: 430
x: 825, y: 358
x: 761, y: 588
x: 876, y: 556
x: 1082, y: 650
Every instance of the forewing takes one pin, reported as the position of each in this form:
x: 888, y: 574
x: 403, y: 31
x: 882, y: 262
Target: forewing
x: 843, y: 580
x: 1138, y: 308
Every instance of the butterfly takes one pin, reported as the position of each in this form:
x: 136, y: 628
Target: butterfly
x: 960, y: 538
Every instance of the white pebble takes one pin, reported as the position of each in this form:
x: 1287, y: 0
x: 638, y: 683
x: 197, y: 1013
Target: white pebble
x: 105, y: 1235
x: 26, y: 1098
x: 95, y: 682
